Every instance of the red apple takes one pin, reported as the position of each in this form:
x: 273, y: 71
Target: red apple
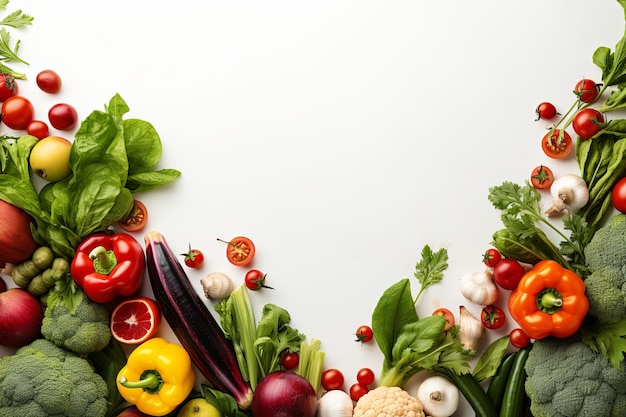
x: 16, y: 240
x: 132, y: 412
x: 20, y: 317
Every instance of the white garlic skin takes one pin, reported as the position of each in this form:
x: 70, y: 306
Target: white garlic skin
x: 335, y: 403
x: 217, y: 286
x: 479, y: 287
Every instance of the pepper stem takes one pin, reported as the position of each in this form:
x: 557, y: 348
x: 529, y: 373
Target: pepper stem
x: 549, y: 300
x: 103, y: 260
x: 150, y: 381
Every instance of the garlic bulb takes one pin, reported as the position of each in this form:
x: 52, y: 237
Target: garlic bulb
x: 217, y: 286
x: 570, y: 193
x: 335, y: 403
x: 479, y: 287
x: 471, y: 330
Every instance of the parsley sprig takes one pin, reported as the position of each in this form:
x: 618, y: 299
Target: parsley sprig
x: 9, y: 51
x: 429, y: 269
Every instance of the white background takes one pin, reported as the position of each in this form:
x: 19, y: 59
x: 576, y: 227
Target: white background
x: 340, y: 136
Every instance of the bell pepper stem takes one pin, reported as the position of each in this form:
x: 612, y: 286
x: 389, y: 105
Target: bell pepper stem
x: 103, y: 260
x: 549, y: 300
x: 150, y: 381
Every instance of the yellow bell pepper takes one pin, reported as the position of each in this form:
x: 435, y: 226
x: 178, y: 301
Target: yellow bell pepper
x: 157, y: 377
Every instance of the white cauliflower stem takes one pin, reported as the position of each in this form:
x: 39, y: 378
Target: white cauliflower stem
x: 385, y: 401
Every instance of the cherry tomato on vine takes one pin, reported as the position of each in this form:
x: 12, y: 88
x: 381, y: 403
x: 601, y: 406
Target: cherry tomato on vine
x: 38, y: 129
x: 618, y: 195
x: 365, y: 376
x: 290, y: 360
x: 8, y: 86
x: 364, y: 334
x: 239, y: 250
x: 194, y: 258
x: 447, y: 314
x: 491, y: 257
x: 545, y: 111
x: 492, y: 317
x: 48, y: 81
x: 587, y: 90
x: 507, y: 273
x: 255, y: 280
x: 587, y: 122
x: 557, y: 145
x: 542, y: 177
x: 332, y: 379
x: 136, y: 219
x: 519, y: 338
x: 17, y: 112
x: 63, y: 116
x: 358, y: 390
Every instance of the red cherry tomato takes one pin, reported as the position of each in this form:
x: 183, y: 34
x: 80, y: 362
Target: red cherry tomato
x: 545, y: 111
x: 491, y: 257
x: 136, y: 219
x: 447, y: 314
x: 357, y: 391
x: 255, y: 280
x: 587, y: 122
x: 507, y: 273
x: 290, y: 360
x: 618, y: 195
x: 542, y: 177
x: 194, y: 258
x: 519, y: 338
x: 63, y: 116
x: 492, y: 317
x: 49, y: 81
x: 557, y: 145
x: 364, y: 334
x: 17, y: 112
x: 332, y: 379
x: 38, y: 129
x: 8, y: 86
x: 586, y: 90
x: 239, y: 250
x: 365, y: 376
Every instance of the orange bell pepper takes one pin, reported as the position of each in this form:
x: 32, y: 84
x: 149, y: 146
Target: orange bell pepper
x: 549, y: 301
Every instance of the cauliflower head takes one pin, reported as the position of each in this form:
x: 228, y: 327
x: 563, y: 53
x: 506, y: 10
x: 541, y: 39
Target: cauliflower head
x: 42, y: 379
x: 606, y: 259
x: 565, y: 378
x: 385, y: 401
x: 84, y: 330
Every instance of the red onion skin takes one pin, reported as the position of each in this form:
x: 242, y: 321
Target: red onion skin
x: 284, y: 394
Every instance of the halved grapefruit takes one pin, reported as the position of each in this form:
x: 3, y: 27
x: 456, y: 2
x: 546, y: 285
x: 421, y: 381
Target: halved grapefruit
x: 135, y: 320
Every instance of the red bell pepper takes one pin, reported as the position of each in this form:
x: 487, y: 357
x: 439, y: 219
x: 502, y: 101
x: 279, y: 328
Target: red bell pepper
x: 107, y: 266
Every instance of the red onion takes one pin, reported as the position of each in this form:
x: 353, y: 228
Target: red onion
x: 284, y: 394
x: 20, y: 317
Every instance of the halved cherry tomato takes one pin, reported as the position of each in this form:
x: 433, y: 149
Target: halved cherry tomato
x: 557, y: 145
x: 447, y: 314
x: 239, y: 250
x: 357, y: 391
x: 290, y: 360
x: 364, y: 334
x: 365, y: 376
x: 492, y: 317
x: 542, y: 177
x: 491, y: 257
x: 332, y: 379
x: 587, y: 90
x: 136, y: 219
x: 194, y: 258
x: 519, y: 338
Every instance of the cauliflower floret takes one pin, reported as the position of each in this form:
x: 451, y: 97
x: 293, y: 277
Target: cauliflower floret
x: 388, y: 402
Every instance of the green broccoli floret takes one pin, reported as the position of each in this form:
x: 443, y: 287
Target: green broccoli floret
x: 82, y: 328
x: 606, y: 258
x: 565, y: 378
x: 42, y: 379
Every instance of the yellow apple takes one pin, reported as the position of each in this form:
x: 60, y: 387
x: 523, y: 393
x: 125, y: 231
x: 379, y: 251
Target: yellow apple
x: 198, y: 407
x: 50, y: 158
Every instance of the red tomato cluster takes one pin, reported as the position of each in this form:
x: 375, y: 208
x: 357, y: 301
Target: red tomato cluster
x: 333, y: 379
x: 18, y: 112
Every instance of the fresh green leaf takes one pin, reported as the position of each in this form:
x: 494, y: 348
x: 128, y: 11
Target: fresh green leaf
x: 8, y: 53
x: 225, y: 403
x: 394, y: 310
x: 146, y: 181
x: 429, y: 269
x: 488, y: 363
x: 17, y: 19
x: 143, y: 145
x: 608, y: 339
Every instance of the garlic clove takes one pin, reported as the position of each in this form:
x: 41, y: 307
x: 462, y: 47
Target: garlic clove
x: 471, y: 330
x: 217, y: 286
